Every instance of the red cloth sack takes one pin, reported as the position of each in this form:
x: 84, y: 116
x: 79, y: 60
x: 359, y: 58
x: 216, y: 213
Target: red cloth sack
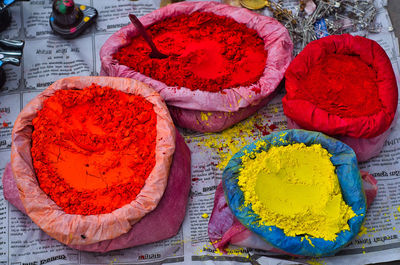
x: 114, y: 230
x: 361, y: 106
x: 202, y: 110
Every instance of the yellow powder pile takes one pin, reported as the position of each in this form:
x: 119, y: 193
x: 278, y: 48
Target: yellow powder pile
x: 295, y: 188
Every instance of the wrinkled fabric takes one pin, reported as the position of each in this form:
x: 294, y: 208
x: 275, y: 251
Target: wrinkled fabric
x: 163, y: 222
x: 225, y: 229
x: 216, y: 121
x: 365, y: 148
x: 311, y: 117
x: 10, y: 190
x: 69, y: 228
x: 349, y: 177
x: 225, y: 108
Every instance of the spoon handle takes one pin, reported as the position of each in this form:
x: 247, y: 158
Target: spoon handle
x: 143, y: 32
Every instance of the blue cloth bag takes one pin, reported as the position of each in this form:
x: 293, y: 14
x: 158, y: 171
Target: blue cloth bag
x: 345, y: 162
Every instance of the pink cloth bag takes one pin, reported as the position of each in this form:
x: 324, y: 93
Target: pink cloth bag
x: 97, y: 232
x: 200, y: 110
x: 163, y: 222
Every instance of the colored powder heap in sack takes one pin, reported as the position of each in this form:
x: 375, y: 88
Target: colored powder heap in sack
x: 205, y: 52
x: 93, y: 148
x: 343, y: 85
x: 295, y: 188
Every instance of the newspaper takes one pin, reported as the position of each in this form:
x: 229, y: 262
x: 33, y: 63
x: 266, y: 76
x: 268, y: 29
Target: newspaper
x: 48, y: 58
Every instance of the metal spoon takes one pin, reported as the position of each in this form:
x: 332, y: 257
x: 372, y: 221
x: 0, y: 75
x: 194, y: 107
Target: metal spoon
x: 154, y: 52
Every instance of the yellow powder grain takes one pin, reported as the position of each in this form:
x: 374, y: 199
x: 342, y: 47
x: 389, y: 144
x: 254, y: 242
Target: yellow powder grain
x: 204, y: 116
x: 363, y: 231
x: 295, y: 188
x: 228, y: 142
x: 218, y: 251
x: 315, y: 261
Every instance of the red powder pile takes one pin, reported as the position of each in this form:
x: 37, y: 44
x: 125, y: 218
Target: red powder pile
x: 343, y: 85
x: 206, y: 52
x: 93, y: 149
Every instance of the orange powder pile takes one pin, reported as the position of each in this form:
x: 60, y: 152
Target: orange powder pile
x: 93, y: 148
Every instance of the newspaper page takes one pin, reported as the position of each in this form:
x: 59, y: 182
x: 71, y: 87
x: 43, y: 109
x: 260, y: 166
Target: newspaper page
x: 48, y: 58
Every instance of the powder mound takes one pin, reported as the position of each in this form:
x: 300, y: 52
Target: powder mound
x: 205, y: 52
x: 343, y: 85
x: 295, y: 188
x: 93, y: 148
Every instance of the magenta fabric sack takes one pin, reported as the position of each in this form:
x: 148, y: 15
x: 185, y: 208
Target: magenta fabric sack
x: 162, y: 223
x: 365, y: 134
x: 365, y: 148
x: 200, y: 110
x: 225, y: 229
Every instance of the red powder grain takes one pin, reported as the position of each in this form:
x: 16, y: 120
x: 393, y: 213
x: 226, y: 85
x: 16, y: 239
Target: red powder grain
x: 272, y: 127
x: 343, y: 85
x: 205, y: 52
x: 94, y: 148
x: 265, y: 129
